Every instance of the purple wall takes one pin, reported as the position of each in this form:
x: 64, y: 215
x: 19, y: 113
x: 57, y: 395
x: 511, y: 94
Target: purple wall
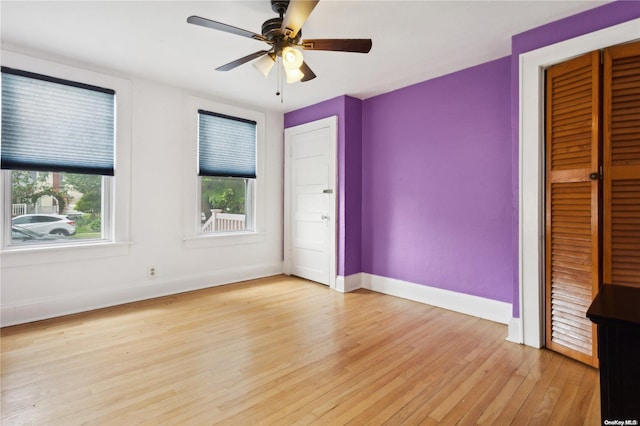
x: 436, y: 197
x: 349, y: 112
x: 428, y: 174
x: 351, y: 196
x: 554, y: 32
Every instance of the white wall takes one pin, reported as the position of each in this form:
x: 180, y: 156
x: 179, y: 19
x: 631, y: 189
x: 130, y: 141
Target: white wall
x: 46, y: 283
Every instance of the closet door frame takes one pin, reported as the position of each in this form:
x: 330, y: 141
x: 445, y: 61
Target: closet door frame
x: 528, y: 328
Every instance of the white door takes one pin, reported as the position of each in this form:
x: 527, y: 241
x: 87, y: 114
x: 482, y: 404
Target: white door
x: 310, y: 206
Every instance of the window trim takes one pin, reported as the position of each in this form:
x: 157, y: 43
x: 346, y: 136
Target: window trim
x: 117, y: 205
x: 191, y: 191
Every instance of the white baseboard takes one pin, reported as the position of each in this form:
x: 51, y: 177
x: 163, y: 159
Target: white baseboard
x: 39, y: 309
x: 515, y: 332
x: 480, y: 307
x: 349, y: 283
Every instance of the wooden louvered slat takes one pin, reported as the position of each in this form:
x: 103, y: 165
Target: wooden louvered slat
x: 571, y: 267
x: 625, y: 232
x: 571, y: 118
x: 621, y: 145
x: 571, y: 206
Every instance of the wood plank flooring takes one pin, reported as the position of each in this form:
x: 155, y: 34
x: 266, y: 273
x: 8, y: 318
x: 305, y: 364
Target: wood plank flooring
x: 285, y: 351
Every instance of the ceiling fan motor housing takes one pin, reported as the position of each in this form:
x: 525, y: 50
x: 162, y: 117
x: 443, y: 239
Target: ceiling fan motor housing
x: 271, y: 29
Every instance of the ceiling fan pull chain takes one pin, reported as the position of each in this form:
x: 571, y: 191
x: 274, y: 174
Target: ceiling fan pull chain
x: 279, y: 79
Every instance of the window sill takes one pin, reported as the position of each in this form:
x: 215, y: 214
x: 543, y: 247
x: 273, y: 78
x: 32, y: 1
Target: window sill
x: 27, y: 256
x: 224, y: 240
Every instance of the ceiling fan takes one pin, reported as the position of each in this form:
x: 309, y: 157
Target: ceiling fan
x: 283, y: 34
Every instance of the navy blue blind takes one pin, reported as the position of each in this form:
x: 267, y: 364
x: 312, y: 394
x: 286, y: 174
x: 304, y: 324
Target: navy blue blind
x: 226, y: 146
x: 50, y: 124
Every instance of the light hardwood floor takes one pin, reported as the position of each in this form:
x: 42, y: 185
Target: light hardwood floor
x: 285, y: 351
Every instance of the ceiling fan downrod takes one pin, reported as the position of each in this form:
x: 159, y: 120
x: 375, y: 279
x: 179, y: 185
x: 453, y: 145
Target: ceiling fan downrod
x: 280, y: 7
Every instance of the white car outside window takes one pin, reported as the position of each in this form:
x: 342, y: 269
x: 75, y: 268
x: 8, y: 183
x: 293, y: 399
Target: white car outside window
x: 46, y: 223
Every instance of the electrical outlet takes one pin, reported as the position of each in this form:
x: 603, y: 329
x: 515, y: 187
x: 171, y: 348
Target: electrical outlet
x: 151, y: 272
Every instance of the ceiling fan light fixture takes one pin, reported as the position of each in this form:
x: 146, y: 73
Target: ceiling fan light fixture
x: 264, y: 65
x: 292, y: 58
x: 294, y: 75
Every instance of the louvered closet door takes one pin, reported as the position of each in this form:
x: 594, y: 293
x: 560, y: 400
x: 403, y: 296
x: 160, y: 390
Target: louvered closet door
x: 621, y: 115
x: 572, y: 246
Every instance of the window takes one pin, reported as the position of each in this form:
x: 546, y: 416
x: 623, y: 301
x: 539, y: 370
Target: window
x: 58, y: 143
x: 227, y: 172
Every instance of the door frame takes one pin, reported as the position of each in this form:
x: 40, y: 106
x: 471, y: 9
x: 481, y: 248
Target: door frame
x: 332, y: 124
x: 530, y: 328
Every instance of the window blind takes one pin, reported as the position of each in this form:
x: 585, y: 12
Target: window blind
x: 226, y: 146
x: 50, y: 124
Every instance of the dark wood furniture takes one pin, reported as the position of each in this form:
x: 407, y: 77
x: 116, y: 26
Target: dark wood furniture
x: 616, y: 311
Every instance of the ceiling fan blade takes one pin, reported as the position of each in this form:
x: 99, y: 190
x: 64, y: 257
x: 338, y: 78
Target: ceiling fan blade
x: 204, y: 22
x: 358, y: 45
x: 245, y: 59
x: 308, y: 74
x: 297, y: 13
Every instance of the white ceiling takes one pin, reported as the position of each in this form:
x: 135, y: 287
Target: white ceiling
x: 413, y: 41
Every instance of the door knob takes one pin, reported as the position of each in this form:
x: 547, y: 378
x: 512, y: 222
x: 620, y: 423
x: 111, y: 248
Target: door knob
x: 594, y: 176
